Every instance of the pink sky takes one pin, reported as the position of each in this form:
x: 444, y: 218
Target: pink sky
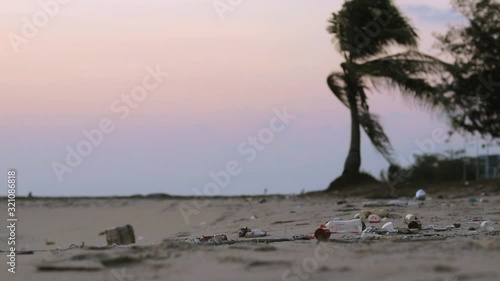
x: 225, y: 78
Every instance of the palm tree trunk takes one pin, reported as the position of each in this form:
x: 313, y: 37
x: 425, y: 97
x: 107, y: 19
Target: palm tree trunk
x: 353, y: 160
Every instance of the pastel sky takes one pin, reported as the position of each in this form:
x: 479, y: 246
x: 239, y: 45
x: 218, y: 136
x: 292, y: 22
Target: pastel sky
x: 225, y: 78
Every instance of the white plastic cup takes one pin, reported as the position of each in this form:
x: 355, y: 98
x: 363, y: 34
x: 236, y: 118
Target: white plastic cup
x: 389, y: 227
x: 487, y: 226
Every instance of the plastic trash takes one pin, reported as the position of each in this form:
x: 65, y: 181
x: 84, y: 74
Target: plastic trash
x: 409, y: 218
x: 487, y: 226
x: 243, y: 231
x: 373, y: 218
x: 220, y: 237
x: 360, y: 217
x: 247, y: 232
x: 256, y: 233
x: 211, y: 239
x: 348, y: 226
x: 322, y: 234
x: 389, y: 227
x: 369, y: 233
x: 49, y: 242
x: 420, y: 195
x: 192, y: 240
x: 443, y: 228
x: 304, y: 237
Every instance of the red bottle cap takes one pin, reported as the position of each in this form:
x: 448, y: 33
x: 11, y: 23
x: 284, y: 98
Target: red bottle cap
x: 322, y: 234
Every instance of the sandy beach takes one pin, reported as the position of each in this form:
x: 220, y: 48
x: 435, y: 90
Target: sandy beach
x: 161, y: 253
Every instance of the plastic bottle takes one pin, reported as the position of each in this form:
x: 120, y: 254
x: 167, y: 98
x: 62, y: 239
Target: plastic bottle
x: 349, y: 226
x: 256, y: 233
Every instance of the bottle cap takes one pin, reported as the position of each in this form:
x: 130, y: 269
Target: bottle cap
x: 322, y: 234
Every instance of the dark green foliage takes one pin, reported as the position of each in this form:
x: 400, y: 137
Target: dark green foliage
x: 364, y: 28
x: 473, y: 101
x: 431, y: 169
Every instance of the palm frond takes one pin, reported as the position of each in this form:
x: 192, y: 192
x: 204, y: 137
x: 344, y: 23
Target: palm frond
x: 337, y: 85
x: 365, y: 28
x: 375, y: 132
x: 410, y: 72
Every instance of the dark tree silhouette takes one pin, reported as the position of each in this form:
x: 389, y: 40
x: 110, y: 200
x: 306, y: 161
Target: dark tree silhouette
x: 364, y: 32
x: 474, y: 99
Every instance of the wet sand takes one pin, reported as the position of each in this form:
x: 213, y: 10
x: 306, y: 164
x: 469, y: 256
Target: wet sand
x: 161, y: 253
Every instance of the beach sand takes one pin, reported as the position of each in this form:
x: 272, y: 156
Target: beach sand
x: 161, y: 254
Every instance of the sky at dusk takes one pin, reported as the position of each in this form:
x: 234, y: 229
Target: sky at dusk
x: 204, y: 82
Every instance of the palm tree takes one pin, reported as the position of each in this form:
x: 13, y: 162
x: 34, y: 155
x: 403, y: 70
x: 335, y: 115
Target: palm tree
x: 364, y: 31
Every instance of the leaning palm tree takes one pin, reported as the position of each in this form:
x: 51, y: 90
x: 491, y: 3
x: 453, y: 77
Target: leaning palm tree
x: 365, y: 32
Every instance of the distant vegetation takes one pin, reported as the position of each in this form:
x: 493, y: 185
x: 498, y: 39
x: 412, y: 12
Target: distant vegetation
x: 473, y: 99
x: 432, y: 169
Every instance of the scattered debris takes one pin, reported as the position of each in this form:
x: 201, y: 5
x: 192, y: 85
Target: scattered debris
x: 370, y: 233
x: 487, y: 226
x: 389, y: 227
x: 304, y: 237
x: 420, y: 195
x: 49, y: 242
x: 413, y: 225
x: 409, y: 218
x: 373, y: 218
x: 214, y: 239
x: 247, y: 232
x: 192, y: 240
x: 322, y: 234
x: 122, y: 235
x: 341, y: 226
